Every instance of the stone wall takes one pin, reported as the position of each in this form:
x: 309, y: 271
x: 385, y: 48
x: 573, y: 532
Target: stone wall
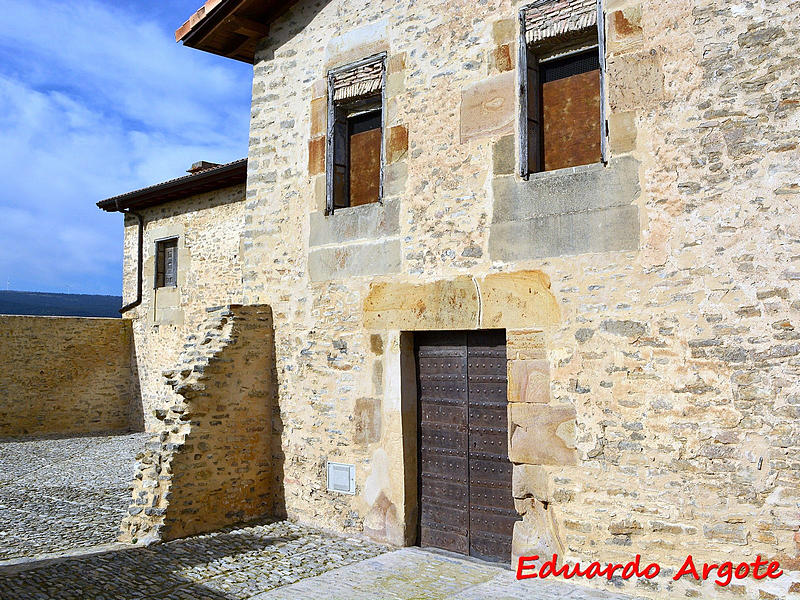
x: 668, y: 384
x: 210, y: 461
x: 66, y: 375
x: 209, y: 231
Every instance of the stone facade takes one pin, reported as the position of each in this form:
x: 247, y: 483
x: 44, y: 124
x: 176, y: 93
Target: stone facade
x: 209, y: 230
x: 66, y: 375
x: 657, y: 412
x: 650, y: 303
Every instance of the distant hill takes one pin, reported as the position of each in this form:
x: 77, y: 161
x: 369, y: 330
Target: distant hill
x: 59, y: 305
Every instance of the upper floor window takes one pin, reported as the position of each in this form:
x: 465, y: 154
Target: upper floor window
x: 354, y: 153
x: 167, y: 263
x: 561, y: 84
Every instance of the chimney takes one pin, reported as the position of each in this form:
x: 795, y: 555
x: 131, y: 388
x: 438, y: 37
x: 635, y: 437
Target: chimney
x: 201, y: 165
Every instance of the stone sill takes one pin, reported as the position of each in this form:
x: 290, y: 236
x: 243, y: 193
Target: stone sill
x: 576, y: 170
x: 566, y: 212
x: 374, y: 221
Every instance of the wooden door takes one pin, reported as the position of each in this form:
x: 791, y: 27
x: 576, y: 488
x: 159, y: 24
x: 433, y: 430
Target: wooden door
x: 466, y: 504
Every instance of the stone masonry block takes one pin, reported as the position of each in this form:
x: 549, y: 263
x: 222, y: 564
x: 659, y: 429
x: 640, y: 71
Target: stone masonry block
x: 635, y: 80
x: 516, y: 300
x: 396, y: 63
x: 357, y: 43
x: 367, y: 421
x: 536, y: 534
x: 504, y: 156
x: 319, y: 117
x: 320, y: 193
x: 532, y: 481
x: 622, y: 131
x: 529, y: 381
x: 504, y: 31
x: 501, y: 58
x: 579, y: 189
x: 319, y: 89
x: 429, y: 306
x: 396, y: 143
x: 624, y: 28
x: 316, y: 156
x: 355, y: 260
x: 366, y: 222
x: 395, y: 84
x: 525, y: 344
x: 395, y: 176
x: 604, y: 230
x: 542, y: 434
x: 488, y: 107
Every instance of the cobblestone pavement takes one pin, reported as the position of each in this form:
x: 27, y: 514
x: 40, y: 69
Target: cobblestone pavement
x: 60, y: 494
x: 230, y: 565
x: 276, y: 561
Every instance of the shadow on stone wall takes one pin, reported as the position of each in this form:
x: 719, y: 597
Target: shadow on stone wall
x: 137, y: 406
x: 215, y: 460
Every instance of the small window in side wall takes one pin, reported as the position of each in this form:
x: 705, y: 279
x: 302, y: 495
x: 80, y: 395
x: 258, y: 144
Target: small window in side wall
x: 561, y: 83
x: 167, y: 263
x: 355, y: 134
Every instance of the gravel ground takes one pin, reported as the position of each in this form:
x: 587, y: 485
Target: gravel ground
x: 62, y: 494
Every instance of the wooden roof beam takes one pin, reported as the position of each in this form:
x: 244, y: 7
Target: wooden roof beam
x: 246, y: 26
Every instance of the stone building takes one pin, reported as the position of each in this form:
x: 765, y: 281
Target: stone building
x: 504, y: 278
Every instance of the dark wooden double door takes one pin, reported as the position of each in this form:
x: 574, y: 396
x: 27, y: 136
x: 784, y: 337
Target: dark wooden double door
x: 465, y: 497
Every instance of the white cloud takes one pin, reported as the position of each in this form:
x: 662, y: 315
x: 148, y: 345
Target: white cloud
x: 96, y: 101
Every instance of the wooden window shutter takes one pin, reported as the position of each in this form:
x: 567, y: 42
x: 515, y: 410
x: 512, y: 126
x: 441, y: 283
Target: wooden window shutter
x: 159, y: 265
x: 341, y: 161
x: 171, y: 265
x: 530, y: 120
x: 534, y: 115
x: 329, y: 146
x: 522, y: 90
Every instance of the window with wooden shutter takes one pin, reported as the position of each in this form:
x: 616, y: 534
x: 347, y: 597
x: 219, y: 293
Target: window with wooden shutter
x: 167, y: 263
x: 355, y: 134
x: 562, y: 122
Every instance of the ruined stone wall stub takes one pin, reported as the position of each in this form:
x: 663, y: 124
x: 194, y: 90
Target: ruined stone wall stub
x: 208, y: 227
x: 66, y: 376
x: 677, y: 351
x: 212, y: 460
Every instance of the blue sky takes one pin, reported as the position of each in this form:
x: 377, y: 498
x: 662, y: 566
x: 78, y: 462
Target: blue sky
x: 97, y: 99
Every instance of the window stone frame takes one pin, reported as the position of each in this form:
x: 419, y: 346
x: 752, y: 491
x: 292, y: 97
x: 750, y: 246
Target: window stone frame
x: 330, y: 137
x: 522, y: 81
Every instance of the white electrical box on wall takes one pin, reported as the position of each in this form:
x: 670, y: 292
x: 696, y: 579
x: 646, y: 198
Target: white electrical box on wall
x: 341, y: 478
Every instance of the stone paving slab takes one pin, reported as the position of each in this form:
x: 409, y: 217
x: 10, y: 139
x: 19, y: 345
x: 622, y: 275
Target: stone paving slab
x: 62, y: 494
x: 414, y: 573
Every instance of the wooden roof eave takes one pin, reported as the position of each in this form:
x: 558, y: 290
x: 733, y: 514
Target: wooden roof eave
x: 231, y: 28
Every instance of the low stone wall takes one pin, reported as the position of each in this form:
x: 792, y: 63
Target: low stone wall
x: 65, y: 375
x: 210, y: 462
